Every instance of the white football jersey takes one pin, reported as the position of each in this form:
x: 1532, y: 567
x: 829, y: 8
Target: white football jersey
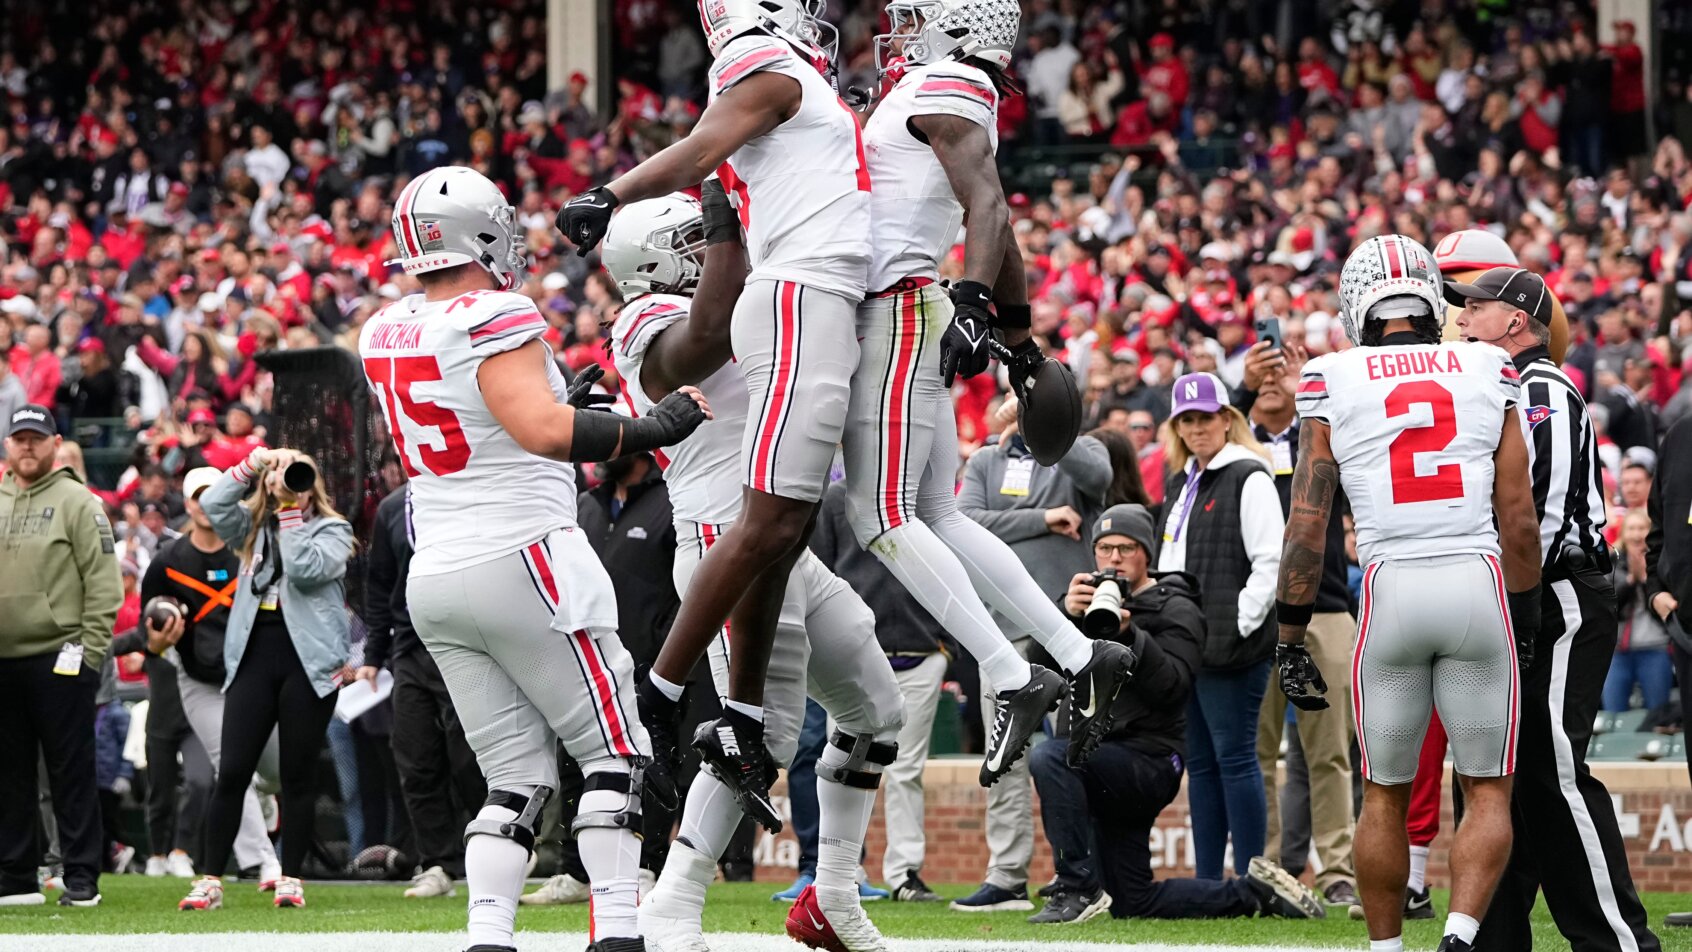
x: 704, y: 471
x: 1414, y: 428
x: 914, y: 215
x: 802, y: 189
x: 475, y: 494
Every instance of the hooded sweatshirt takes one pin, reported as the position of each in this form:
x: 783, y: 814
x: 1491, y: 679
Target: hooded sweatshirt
x: 59, y: 579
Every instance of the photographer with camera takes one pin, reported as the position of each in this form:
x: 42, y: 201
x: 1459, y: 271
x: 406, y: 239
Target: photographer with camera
x: 1098, y: 817
x: 285, y: 650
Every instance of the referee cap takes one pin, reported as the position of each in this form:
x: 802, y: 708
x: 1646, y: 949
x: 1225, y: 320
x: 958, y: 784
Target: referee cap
x: 1517, y: 287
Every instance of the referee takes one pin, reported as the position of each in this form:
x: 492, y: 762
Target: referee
x: 1566, y: 838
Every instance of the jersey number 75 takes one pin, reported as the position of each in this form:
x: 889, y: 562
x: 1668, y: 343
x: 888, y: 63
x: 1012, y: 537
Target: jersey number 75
x: 394, y: 376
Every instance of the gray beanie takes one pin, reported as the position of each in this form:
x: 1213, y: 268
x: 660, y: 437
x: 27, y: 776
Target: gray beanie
x: 1128, y: 519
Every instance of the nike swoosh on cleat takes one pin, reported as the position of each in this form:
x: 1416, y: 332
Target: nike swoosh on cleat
x: 998, y: 757
x: 815, y: 923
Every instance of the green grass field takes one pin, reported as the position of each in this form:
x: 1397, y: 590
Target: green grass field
x: 136, y: 905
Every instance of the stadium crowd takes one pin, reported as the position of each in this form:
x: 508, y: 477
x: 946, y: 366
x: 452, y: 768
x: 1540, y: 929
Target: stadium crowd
x: 181, y: 192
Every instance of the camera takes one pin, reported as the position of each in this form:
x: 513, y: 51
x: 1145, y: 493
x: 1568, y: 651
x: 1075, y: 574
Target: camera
x: 1104, y: 613
x: 300, y: 476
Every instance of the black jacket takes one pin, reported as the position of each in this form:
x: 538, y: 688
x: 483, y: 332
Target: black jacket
x: 902, y: 627
x: 1167, y: 635
x: 638, y: 549
x: 1668, y: 547
x: 387, y: 619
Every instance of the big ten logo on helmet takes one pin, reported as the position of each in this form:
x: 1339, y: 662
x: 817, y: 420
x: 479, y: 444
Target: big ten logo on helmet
x: 712, y: 10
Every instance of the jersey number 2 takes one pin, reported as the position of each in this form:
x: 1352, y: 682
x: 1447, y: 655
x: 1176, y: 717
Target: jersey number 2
x: 1446, y: 482
x: 395, y: 375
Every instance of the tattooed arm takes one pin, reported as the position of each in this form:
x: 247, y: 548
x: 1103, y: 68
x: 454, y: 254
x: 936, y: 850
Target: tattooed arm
x: 1314, y: 484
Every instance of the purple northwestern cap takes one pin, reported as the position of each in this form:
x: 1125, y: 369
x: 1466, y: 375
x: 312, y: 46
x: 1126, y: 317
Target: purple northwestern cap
x: 1200, y: 391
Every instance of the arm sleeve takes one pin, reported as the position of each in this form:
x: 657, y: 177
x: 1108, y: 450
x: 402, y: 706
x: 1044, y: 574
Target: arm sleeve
x: 1087, y: 464
x: 1010, y: 525
x: 1312, y: 396
x: 750, y: 54
x: 954, y: 89
x: 95, y: 552
x: 508, y: 323
x: 315, y: 555
x: 1261, y: 528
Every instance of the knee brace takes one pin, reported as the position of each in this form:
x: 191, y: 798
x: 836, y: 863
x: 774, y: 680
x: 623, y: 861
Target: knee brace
x: 631, y: 784
x: 521, y: 828
x: 847, y: 756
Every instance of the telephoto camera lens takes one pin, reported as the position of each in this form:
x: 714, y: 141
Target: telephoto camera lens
x: 1104, y: 612
x: 300, y: 476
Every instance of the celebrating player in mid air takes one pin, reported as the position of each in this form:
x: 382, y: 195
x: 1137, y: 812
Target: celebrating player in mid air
x: 505, y: 592
x: 674, y: 329
x: 931, y: 147
x: 1424, y: 438
x: 790, y: 153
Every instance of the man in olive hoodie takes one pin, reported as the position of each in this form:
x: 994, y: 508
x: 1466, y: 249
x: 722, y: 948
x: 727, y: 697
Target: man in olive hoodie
x: 59, y: 596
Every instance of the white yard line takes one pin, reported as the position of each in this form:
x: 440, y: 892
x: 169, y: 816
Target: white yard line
x: 527, y: 941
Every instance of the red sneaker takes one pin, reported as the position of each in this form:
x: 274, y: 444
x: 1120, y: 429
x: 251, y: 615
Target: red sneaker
x: 848, y: 930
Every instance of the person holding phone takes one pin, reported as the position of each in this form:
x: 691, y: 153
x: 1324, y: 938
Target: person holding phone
x: 285, y: 651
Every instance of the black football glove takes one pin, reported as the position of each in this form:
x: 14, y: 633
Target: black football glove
x: 580, y: 392
x: 679, y: 415
x: 585, y: 218
x: 964, y: 350
x: 720, y: 222
x: 1299, y: 675
x: 1022, y: 363
x: 1525, y: 623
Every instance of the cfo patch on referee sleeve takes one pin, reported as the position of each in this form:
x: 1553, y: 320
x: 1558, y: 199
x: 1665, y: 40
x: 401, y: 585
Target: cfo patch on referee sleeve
x: 104, y: 526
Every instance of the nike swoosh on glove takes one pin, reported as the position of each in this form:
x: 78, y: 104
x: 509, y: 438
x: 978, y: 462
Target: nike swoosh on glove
x: 965, y: 349
x: 1022, y: 363
x: 585, y: 218
x: 580, y: 392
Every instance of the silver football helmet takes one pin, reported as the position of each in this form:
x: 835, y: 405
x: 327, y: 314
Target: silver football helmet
x: 452, y: 215
x: 932, y: 31
x: 797, y: 21
x: 656, y: 246
x: 1386, y: 277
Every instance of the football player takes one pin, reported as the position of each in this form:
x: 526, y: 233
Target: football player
x: 930, y: 146
x: 1424, y: 437
x: 790, y: 153
x: 674, y: 330
x: 507, y: 595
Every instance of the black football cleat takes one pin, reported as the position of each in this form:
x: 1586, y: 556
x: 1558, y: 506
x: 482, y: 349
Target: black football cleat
x: 1092, y: 694
x: 1453, y: 944
x: 1018, y: 719
x: 618, y: 944
x: 733, y: 747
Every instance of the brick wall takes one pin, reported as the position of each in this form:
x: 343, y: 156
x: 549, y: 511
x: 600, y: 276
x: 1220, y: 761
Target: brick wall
x: 1654, y: 812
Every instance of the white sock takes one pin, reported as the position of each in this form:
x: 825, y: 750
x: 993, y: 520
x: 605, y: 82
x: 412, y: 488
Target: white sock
x: 669, y: 689
x: 1418, y: 868
x: 612, y: 860
x: 843, y: 816
x: 750, y: 710
x: 709, y: 818
x: 1002, y: 581
x: 493, y: 872
x: 1461, y: 926
x: 1394, y: 944
x: 937, y: 579
x: 680, y: 893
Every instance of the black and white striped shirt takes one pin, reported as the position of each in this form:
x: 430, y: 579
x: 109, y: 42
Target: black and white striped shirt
x: 1568, y: 493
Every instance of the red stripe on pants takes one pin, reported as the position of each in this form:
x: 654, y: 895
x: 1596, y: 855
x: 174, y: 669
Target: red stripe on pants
x: 603, y: 691
x: 764, y: 459
x: 1357, y: 663
x: 905, y: 328
x: 1515, y: 668
x: 547, y: 581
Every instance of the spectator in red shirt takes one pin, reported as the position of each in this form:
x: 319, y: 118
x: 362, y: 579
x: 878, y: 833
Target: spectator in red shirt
x: 1164, y: 73
x: 1315, y: 74
x: 1142, y: 119
x: 1539, y: 110
x: 37, y: 366
x: 1627, y: 92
